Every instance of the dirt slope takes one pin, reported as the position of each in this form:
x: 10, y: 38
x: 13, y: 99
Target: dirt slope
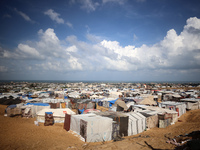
x: 21, y: 133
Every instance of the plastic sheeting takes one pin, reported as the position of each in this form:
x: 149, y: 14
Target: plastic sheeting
x: 179, y: 107
x: 137, y: 123
x: 38, y: 104
x: 120, y: 118
x: 91, y: 127
x: 75, y: 122
x: 96, y: 129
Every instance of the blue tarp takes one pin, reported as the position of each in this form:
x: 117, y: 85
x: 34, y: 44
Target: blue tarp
x: 81, y: 110
x: 100, y: 103
x: 38, y: 104
x: 65, y: 97
x: 112, y: 102
x: 48, y: 113
x: 97, y: 100
x: 12, y: 106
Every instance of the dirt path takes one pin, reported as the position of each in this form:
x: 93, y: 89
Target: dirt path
x: 21, y: 133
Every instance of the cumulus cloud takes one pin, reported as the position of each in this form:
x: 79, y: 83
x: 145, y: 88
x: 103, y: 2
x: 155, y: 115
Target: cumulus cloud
x: 175, y: 52
x: 23, y: 15
x: 54, y: 16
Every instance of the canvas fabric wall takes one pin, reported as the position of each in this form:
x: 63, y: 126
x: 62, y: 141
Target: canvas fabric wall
x: 96, y: 128
x: 152, y: 121
x: 138, y: 123
x: 115, y: 130
x: 120, y: 119
x: 13, y: 111
x: 192, y: 106
x: 75, y: 122
x: 165, y: 123
x: 132, y: 125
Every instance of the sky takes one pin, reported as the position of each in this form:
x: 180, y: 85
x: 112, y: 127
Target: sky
x: 100, y: 40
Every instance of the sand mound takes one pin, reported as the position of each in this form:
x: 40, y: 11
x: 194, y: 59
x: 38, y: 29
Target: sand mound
x: 21, y: 133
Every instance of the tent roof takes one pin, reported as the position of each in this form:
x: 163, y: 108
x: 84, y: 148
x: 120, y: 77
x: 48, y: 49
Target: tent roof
x: 148, y: 101
x: 121, y: 104
x: 56, y: 112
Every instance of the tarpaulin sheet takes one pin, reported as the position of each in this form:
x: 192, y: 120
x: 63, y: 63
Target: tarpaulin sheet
x: 141, y: 121
x: 75, y: 122
x: 112, y: 102
x: 120, y: 118
x: 12, y: 106
x: 132, y: 125
x: 96, y: 128
x: 38, y: 104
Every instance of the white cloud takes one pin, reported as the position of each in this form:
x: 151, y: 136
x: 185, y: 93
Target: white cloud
x: 54, y: 16
x: 89, y: 5
x: 174, y: 53
x: 193, y: 22
x: 69, y: 24
x: 72, y: 49
x: 25, y: 16
x: 26, y: 49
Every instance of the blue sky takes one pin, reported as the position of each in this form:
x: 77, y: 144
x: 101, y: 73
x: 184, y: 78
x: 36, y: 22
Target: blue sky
x: 110, y: 40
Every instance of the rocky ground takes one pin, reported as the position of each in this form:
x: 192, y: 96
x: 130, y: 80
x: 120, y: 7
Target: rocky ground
x: 22, y: 133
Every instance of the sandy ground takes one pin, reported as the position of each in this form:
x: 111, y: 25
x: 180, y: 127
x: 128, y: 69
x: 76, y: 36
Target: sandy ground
x: 21, y: 133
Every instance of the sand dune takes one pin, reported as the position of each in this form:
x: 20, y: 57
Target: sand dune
x: 21, y: 133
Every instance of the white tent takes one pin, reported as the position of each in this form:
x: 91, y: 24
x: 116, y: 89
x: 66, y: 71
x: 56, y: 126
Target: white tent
x: 31, y: 109
x: 96, y: 128
x: 176, y: 106
x: 58, y: 114
x: 75, y: 122
x: 132, y: 125
x: 91, y: 127
x: 137, y: 123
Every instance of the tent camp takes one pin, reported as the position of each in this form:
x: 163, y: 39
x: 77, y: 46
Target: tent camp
x: 58, y: 114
